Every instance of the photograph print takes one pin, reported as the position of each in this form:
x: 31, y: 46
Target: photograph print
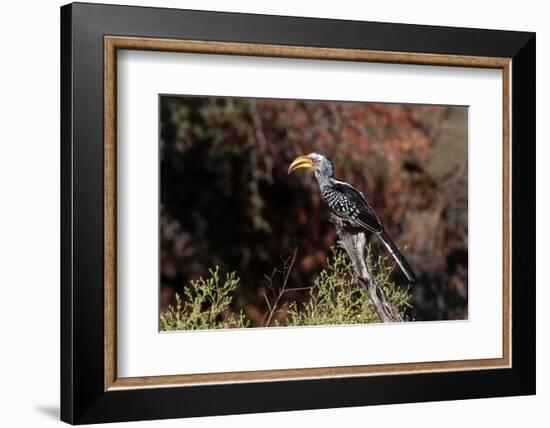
x: 289, y: 212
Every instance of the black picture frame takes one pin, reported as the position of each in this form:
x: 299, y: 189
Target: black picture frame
x: 83, y: 396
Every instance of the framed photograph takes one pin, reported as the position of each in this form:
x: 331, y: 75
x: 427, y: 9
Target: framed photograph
x: 265, y: 213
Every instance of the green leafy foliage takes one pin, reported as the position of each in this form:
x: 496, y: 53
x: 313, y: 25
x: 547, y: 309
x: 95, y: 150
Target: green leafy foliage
x: 205, y: 305
x: 336, y: 297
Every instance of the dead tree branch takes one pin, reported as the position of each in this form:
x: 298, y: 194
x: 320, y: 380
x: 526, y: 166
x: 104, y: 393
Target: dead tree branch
x: 354, y: 241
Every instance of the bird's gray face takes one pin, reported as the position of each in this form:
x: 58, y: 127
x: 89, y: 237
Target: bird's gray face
x: 321, y: 165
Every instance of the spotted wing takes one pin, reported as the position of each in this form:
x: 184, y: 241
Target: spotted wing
x: 365, y: 215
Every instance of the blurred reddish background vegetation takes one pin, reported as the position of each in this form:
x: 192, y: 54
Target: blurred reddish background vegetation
x: 226, y: 198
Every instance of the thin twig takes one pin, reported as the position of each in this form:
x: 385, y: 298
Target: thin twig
x: 288, y: 264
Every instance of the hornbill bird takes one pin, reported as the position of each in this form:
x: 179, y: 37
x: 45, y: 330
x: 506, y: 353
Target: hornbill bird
x: 349, y: 204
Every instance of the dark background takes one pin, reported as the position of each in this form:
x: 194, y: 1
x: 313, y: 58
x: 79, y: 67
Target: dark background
x: 227, y: 201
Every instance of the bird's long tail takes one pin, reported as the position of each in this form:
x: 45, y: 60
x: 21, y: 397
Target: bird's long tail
x: 399, y: 258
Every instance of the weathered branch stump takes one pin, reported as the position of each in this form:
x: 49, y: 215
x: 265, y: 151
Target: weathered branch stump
x: 354, y: 241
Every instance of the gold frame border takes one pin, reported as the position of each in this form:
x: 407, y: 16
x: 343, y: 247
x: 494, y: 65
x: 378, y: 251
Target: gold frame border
x: 112, y: 43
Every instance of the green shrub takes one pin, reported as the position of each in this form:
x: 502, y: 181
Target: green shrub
x: 205, y: 306
x: 336, y: 297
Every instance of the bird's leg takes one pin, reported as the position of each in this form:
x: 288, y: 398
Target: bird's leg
x: 353, y: 241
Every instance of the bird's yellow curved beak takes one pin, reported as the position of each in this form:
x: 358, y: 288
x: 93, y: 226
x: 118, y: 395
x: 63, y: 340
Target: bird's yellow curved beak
x: 301, y: 162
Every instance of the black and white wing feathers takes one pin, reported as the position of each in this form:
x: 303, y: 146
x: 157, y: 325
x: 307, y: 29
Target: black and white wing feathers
x: 363, y: 214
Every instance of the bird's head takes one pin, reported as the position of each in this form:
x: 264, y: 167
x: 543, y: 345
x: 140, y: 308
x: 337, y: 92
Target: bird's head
x: 320, y: 164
